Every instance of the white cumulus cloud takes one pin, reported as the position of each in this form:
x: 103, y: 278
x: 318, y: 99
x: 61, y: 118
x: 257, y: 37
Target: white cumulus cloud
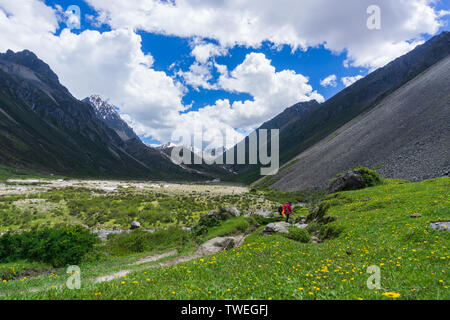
x: 271, y: 92
x: 348, y: 81
x: 299, y: 24
x: 329, y: 81
x: 203, y: 51
x: 198, y: 76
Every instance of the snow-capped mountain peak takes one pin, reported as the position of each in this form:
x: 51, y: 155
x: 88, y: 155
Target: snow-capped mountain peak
x: 102, y: 108
x: 108, y: 114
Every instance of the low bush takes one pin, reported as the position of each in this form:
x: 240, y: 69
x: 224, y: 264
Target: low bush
x: 230, y: 227
x: 58, y: 247
x: 140, y: 241
x: 298, y: 234
x: 204, y: 224
x: 330, y: 231
x: 371, y: 177
x: 318, y: 213
x: 313, y: 227
x: 243, y: 226
x: 209, y: 221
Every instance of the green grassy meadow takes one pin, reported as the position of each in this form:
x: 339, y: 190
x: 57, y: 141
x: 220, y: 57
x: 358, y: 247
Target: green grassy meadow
x: 375, y: 230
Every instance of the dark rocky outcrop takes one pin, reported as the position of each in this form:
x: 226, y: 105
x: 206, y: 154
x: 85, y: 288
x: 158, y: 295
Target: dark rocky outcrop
x: 352, y: 180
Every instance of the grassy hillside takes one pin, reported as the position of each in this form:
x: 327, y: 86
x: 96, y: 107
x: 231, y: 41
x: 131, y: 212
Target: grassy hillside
x: 375, y: 229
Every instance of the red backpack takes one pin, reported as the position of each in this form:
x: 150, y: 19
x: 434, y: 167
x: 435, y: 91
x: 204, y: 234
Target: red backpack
x: 287, y: 208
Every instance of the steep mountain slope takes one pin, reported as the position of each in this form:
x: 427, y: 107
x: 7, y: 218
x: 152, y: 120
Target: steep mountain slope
x: 406, y: 135
x: 289, y: 116
x: 44, y: 128
x: 310, y: 127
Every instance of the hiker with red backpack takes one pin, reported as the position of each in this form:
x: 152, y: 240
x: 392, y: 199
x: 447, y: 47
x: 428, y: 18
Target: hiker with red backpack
x: 287, y: 210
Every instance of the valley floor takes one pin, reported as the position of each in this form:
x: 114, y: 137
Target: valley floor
x: 374, y: 228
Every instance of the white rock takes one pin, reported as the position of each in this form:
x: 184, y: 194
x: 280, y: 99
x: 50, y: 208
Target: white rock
x: 216, y: 245
x: 276, y: 227
x: 135, y: 225
x: 232, y: 210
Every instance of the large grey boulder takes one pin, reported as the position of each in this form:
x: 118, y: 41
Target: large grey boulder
x: 225, y: 213
x: 350, y: 181
x: 276, y: 227
x: 216, y: 245
x: 231, y: 210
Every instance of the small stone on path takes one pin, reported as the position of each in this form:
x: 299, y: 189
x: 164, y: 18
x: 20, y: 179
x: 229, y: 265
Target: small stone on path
x: 440, y: 225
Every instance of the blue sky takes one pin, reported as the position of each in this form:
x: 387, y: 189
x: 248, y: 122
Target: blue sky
x: 316, y: 63
x: 144, y: 61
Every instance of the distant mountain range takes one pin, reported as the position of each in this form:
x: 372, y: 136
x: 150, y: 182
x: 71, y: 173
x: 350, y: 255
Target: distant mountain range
x: 108, y: 114
x: 45, y: 129
x: 396, y: 118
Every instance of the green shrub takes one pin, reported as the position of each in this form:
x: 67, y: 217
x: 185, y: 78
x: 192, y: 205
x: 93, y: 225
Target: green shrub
x: 319, y: 212
x: 139, y: 241
x: 371, y: 177
x: 223, y: 215
x: 313, y: 227
x: 298, y: 234
x: 266, y: 220
x: 229, y: 227
x: 199, y: 230
x: 58, y: 247
x: 204, y: 224
x: 243, y: 226
x: 209, y: 221
x: 330, y: 231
